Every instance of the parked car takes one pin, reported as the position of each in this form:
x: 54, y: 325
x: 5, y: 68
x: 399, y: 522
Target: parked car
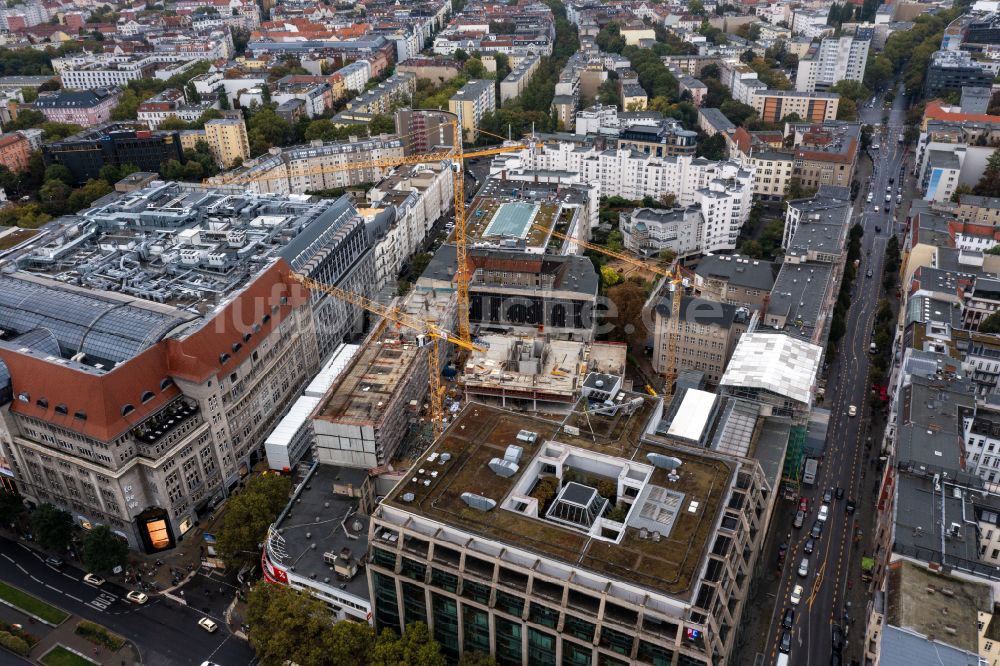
x: 91, y: 579
x: 54, y: 561
x: 804, y: 567
x: 796, y: 595
x: 137, y: 597
x: 804, y: 504
x: 789, y: 619
x: 207, y: 625
x: 800, y: 517
x: 838, y: 639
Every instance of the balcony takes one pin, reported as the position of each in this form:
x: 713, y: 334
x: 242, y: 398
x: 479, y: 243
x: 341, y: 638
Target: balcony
x: 165, y: 421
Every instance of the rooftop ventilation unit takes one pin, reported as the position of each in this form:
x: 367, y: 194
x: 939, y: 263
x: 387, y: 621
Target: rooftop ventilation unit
x: 478, y: 502
x: 504, y: 468
x: 408, y: 497
x: 663, y: 462
x: 513, y: 454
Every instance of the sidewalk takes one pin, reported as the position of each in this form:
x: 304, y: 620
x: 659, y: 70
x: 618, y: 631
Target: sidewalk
x: 178, y: 564
x: 63, y: 635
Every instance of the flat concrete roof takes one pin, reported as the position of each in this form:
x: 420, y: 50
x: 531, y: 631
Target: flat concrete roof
x: 694, y: 414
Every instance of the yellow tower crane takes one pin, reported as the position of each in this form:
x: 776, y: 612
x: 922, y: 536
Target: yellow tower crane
x: 457, y: 156
x: 432, y: 331
x: 675, y: 282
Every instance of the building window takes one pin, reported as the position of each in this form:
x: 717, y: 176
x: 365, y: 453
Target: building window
x: 414, y: 604
x: 541, y: 648
x: 616, y: 641
x: 576, y: 655
x: 444, y: 580
x: 413, y: 569
x: 544, y: 616
x: 579, y: 628
x: 476, y: 629
x: 509, y: 603
x: 508, y: 641
x: 446, y: 624
x: 476, y: 592
x: 386, y: 602
x: 655, y: 654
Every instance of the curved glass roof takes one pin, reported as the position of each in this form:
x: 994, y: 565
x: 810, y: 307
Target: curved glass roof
x: 39, y: 339
x: 101, y: 328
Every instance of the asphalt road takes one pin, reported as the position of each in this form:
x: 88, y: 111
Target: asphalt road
x: 165, y: 633
x: 833, y: 572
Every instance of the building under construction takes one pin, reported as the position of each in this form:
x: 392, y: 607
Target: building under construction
x: 536, y: 373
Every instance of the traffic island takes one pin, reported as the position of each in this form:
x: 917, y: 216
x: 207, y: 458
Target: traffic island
x: 31, y: 606
x: 60, y: 655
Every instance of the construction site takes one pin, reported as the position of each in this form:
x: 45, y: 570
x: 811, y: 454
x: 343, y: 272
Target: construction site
x: 536, y: 373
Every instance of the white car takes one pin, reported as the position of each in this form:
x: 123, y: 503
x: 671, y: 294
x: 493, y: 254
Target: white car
x: 207, y: 625
x: 91, y: 579
x: 852, y: 411
x: 824, y: 513
x: 137, y: 597
x: 796, y: 595
x: 804, y: 567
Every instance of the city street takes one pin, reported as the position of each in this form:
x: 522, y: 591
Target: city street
x: 165, y: 632
x: 833, y: 577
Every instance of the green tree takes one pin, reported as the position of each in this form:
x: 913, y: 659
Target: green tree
x: 224, y: 100
x: 609, y: 276
x: 989, y: 183
x: 415, y: 646
x: 128, y: 106
x: 60, y: 173
x: 54, y: 195
x: 191, y: 93
x: 991, y: 324
x: 713, y: 147
x: 308, y: 635
x: 475, y: 658
x: 752, y: 249
x: 847, y: 109
x: 103, y: 550
x: 52, y: 527
x: 86, y: 195
x: 11, y: 507
x: 381, y: 123
x: 248, y: 515
x: 26, y: 119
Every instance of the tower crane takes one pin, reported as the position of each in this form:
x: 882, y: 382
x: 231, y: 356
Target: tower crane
x: 457, y: 156
x: 427, y: 329
x: 676, y: 281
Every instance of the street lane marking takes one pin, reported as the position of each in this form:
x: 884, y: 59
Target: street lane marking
x: 70, y: 577
x: 54, y: 589
x: 77, y: 599
x: 8, y: 558
x: 23, y: 570
x: 37, y: 580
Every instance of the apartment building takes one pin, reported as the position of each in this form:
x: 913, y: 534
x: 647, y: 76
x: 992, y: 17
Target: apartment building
x: 514, y: 83
x: 170, y: 104
x: 511, y: 553
x: 425, y: 129
x: 79, y: 107
x: 648, y: 231
x: 15, y: 151
x: 704, y: 337
x: 774, y: 105
x: 835, y: 59
x: 473, y: 101
x: 739, y: 281
x: 320, y: 166
x: 634, y: 175
x: 227, y: 139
